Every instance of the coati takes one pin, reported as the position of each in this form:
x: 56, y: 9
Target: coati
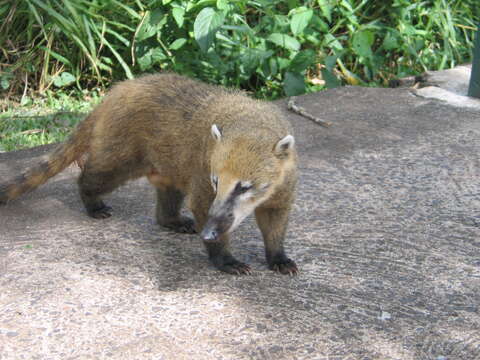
x: 228, y: 154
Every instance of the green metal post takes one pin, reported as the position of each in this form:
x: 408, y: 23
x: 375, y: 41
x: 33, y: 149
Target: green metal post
x: 474, y: 87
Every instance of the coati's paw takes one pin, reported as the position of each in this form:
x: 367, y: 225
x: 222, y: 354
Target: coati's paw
x: 183, y: 224
x: 284, y: 266
x: 100, y: 212
x: 230, y: 265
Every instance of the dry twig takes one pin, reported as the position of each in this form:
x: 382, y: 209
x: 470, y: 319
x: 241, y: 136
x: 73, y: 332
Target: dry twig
x: 302, y: 112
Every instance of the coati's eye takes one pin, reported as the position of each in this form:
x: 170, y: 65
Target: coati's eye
x: 214, y: 181
x: 242, y: 187
x: 263, y: 187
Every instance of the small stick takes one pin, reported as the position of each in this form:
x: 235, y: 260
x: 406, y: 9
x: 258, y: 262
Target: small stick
x: 302, y: 112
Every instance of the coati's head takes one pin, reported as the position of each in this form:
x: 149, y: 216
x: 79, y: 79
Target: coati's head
x: 245, y: 170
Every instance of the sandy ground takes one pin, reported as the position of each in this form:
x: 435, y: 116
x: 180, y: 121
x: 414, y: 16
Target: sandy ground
x: 385, y: 231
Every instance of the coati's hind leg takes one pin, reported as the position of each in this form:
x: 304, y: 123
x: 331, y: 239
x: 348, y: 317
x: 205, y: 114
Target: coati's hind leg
x: 169, y: 204
x: 94, y: 183
x: 92, y: 186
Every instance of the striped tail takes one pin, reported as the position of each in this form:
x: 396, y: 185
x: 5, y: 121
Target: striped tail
x: 58, y: 160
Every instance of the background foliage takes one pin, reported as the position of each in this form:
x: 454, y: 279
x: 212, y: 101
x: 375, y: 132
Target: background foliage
x: 269, y: 47
x: 57, y: 57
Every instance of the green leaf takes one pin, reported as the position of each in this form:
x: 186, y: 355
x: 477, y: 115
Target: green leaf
x: 147, y: 56
x: 294, y: 84
x: 281, y: 20
x: 362, y: 43
x: 326, y: 9
x: 222, y: 4
x: 284, y: 41
x: 390, y: 42
x: 330, y: 62
x: 283, y: 63
x: 272, y: 66
x: 122, y: 62
x: 332, y: 42
x: 205, y: 26
x: 158, y: 55
x: 302, y: 60
x: 145, y: 61
x: 330, y: 80
x: 56, y: 55
x: 145, y: 31
x: 26, y: 100
x: 178, y: 15
x: 191, y: 5
x: 318, y: 22
x: 64, y: 79
x: 4, y: 83
x: 251, y: 58
x: 300, y: 19
x: 177, y: 44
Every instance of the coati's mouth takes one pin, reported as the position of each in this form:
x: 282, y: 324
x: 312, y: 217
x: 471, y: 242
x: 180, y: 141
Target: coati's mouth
x: 229, y: 209
x: 235, y: 200
x: 224, y: 218
x: 216, y: 227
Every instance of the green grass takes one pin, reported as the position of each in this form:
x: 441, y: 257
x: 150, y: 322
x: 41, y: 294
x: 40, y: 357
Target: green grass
x: 42, y: 121
x: 271, y: 48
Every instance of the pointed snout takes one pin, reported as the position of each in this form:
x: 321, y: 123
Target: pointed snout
x: 216, y: 226
x: 209, y: 235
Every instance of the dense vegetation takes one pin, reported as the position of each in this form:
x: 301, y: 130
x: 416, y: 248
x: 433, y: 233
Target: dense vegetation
x: 54, y: 48
x: 264, y: 46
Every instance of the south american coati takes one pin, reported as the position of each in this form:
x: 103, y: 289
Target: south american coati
x: 228, y: 154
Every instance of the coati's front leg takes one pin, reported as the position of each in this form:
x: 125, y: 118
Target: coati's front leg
x: 218, y: 250
x: 273, y: 225
x: 221, y: 257
x: 169, y: 204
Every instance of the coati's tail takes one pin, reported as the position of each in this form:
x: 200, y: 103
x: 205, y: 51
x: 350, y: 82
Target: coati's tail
x: 58, y: 160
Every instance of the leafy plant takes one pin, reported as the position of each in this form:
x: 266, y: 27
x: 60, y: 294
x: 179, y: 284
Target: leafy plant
x: 269, y: 47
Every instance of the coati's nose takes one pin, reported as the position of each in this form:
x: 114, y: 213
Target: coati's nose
x: 209, y: 235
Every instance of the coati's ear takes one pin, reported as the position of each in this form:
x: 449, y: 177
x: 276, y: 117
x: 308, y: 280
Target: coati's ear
x: 284, y: 146
x: 217, y: 135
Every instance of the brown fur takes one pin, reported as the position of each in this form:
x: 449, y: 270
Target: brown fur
x: 159, y: 126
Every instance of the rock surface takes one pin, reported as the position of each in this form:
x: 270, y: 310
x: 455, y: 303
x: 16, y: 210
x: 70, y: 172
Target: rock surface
x: 385, y: 230
x: 450, y: 86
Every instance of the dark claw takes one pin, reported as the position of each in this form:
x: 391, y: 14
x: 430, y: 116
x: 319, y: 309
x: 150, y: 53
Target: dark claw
x: 234, y: 267
x: 102, y: 213
x: 183, y: 225
x: 237, y: 269
x: 285, y: 267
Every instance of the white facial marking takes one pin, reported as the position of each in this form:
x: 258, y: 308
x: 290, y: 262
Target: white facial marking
x: 246, y: 184
x: 214, y: 182
x: 242, y: 210
x: 263, y: 186
x: 217, y: 135
x: 245, y: 196
x: 245, y: 204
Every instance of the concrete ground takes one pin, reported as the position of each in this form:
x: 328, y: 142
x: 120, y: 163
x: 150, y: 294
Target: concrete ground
x: 385, y: 230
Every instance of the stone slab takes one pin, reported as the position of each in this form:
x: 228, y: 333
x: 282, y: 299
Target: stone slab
x: 385, y: 230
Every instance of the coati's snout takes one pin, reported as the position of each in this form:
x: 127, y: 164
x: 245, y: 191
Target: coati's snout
x: 220, y: 221
x: 231, y: 206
